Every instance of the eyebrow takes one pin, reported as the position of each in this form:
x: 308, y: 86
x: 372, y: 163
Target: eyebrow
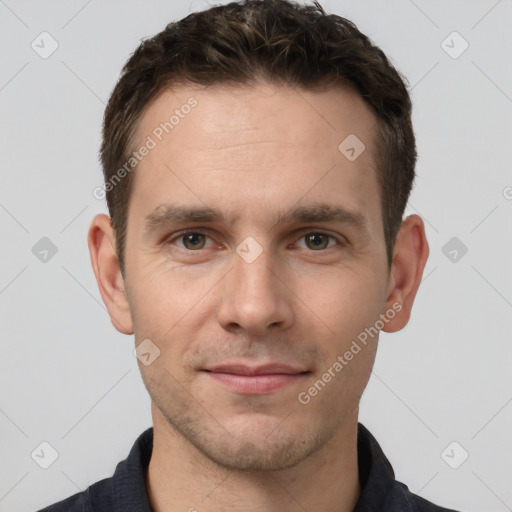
x: 166, y: 215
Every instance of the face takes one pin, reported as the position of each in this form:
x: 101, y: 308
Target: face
x: 255, y: 256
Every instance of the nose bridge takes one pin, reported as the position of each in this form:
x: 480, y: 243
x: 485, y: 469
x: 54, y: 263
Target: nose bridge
x: 253, y: 297
x: 254, y: 276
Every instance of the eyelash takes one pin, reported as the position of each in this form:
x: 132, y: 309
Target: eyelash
x: 341, y: 242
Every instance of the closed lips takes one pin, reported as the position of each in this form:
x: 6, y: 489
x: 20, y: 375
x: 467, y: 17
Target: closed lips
x: 271, y: 369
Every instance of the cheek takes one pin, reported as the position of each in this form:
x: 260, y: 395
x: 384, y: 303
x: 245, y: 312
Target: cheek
x: 345, y: 302
x: 338, y: 386
x: 165, y: 296
x: 172, y: 308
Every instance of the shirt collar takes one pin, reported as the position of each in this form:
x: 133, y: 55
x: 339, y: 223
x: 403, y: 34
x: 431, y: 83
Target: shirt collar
x: 376, y: 474
x: 129, y: 480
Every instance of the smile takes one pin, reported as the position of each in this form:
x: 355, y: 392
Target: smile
x: 256, y: 380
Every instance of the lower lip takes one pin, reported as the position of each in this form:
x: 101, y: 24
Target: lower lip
x: 255, y: 384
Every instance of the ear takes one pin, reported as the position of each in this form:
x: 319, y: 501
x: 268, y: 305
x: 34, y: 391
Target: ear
x: 410, y: 256
x: 101, y: 242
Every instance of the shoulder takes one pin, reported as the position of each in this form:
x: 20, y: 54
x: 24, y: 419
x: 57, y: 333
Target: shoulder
x: 426, y: 506
x: 96, y: 498
x: 381, y: 491
x: 74, y: 503
x: 124, y: 489
x: 402, y: 499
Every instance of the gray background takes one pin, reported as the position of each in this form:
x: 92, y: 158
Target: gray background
x: 70, y: 379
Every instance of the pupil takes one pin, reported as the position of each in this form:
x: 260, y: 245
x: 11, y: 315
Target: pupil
x: 316, y: 240
x: 193, y: 240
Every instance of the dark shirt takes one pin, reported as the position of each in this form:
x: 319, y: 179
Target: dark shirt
x: 126, y: 490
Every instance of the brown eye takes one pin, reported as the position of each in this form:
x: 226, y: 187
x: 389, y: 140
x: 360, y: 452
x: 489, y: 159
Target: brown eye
x: 317, y: 241
x: 193, y: 240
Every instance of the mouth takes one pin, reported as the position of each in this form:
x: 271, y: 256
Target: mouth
x: 256, y: 380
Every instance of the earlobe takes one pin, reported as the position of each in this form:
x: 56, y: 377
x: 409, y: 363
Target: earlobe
x: 409, y: 259
x: 105, y: 264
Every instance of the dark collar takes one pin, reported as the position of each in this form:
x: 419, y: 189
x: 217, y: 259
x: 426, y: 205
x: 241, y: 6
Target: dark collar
x: 380, y: 491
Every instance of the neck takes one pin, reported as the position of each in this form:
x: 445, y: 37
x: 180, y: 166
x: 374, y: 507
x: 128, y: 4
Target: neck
x: 180, y: 478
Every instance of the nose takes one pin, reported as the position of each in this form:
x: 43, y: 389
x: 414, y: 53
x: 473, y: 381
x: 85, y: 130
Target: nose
x: 255, y: 296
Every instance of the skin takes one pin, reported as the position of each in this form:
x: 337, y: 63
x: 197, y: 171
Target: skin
x: 253, y: 153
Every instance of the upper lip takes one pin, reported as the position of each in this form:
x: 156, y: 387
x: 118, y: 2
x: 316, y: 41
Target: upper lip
x: 267, y: 369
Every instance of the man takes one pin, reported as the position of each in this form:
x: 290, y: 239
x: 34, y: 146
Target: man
x: 258, y: 158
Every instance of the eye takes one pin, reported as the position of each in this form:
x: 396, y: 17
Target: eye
x: 190, y: 240
x: 317, y: 241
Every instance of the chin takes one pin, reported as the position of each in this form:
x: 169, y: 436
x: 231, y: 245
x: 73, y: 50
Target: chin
x: 258, y: 446
x: 256, y: 456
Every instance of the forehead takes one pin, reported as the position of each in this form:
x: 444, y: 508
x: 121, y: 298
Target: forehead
x: 248, y: 147
x: 221, y: 112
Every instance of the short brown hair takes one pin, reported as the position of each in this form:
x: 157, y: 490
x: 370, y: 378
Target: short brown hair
x: 243, y: 43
